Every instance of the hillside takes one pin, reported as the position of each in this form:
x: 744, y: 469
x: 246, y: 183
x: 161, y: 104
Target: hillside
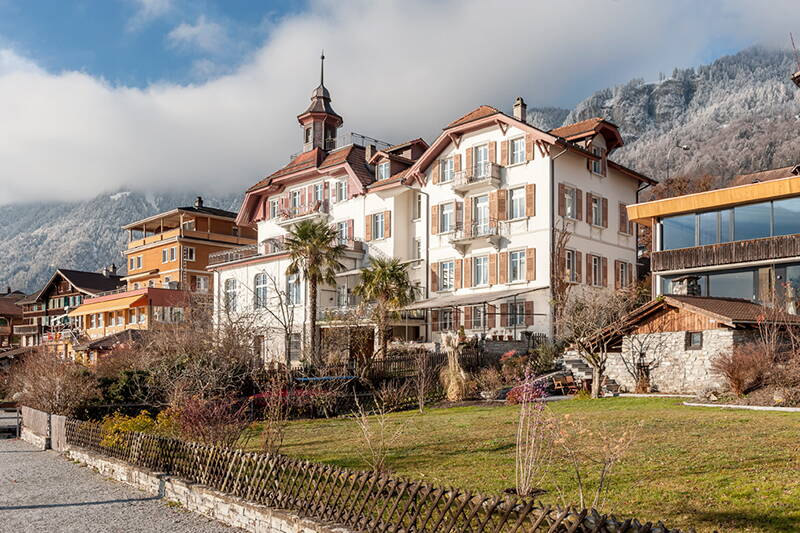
x: 738, y: 114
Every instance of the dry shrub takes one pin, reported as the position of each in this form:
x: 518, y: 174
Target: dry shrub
x: 217, y: 421
x: 378, y: 430
x: 744, y: 367
x: 490, y: 382
x: 49, y: 383
x: 534, y: 439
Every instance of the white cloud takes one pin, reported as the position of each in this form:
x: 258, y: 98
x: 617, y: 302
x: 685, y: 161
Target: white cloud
x: 147, y: 10
x: 396, y: 70
x: 11, y: 62
x: 205, y: 35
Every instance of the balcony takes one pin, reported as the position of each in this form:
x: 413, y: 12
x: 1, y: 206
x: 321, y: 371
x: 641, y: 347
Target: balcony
x: 352, y: 245
x: 190, y: 234
x: 292, y: 215
x: 727, y: 253
x: 482, y: 176
x: 27, y: 329
x: 463, y: 237
x: 235, y: 254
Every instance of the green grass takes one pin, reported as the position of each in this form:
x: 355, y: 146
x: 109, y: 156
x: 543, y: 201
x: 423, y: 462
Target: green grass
x: 690, y: 467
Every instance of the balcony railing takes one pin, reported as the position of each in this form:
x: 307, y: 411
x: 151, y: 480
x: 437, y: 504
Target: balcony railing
x: 727, y: 253
x: 475, y: 231
x: 481, y: 173
x: 290, y: 214
x: 346, y: 139
x: 27, y: 329
x: 235, y: 254
x: 352, y: 245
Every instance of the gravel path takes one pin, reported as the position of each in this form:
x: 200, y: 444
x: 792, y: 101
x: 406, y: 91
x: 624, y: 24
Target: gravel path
x: 42, y: 491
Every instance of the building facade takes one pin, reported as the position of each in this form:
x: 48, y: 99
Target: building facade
x: 10, y: 316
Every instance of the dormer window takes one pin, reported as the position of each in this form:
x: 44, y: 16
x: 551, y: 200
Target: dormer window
x: 598, y: 167
x: 340, y: 191
x: 307, y: 135
x: 383, y: 170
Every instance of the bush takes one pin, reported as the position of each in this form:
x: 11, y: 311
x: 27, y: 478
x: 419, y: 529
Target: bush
x: 115, y: 426
x: 513, y: 366
x: 542, y: 358
x: 744, y: 368
x: 489, y: 381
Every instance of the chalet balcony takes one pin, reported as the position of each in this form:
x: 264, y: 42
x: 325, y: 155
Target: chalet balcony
x: 727, y: 253
x: 483, y: 176
x: 463, y: 237
x: 292, y: 215
x: 27, y: 329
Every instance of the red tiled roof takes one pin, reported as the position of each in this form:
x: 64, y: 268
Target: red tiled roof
x: 766, y: 175
x: 405, y: 144
x: 303, y: 161
x: 579, y: 129
x: 355, y: 156
x: 8, y: 305
x: 734, y: 310
x: 391, y: 179
x: 481, y: 112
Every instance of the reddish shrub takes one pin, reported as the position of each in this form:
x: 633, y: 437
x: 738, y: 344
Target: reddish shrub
x: 744, y: 367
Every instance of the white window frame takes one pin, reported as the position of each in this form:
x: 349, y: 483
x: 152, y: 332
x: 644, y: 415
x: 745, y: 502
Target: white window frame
x: 417, y: 248
x: 597, y: 271
x: 378, y: 222
x: 570, y: 202
x: 273, y: 208
x: 480, y: 167
x: 260, y: 290
x: 597, y: 165
x: 483, y: 279
x: 319, y: 192
x: 165, y: 255
x: 571, y: 265
x: 341, y: 232
x: 447, y: 275
x: 597, y: 211
x: 201, y: 284
x: 295, y: 198
x: 516, y: 156
x: 230, y: 292
x: 446, y: 319
x: 294, y: 290
x: 417, y: 211
x: 516, y: 314
x: 446, y: 214
x: 478, y: 317
x: 132, y: 263
x: 517, y: 212
x: 520, y: 265
x: 342, y: 296
x: 383, y: 170
x: 446, y: 170
x: 139, y: 261
x: 173, y: 253
x: 341, y: 191
x: 624, y: 274
x: 189, y: 253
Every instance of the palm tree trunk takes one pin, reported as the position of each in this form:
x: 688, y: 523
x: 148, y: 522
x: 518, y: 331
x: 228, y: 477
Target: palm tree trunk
x: 311, y: 335
x: 384, y: 338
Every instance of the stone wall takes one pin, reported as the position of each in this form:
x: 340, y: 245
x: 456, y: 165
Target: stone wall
x: 679, y: 370
x: 201, y: 499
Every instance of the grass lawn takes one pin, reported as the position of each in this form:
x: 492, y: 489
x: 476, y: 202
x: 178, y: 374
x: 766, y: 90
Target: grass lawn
x: 690, y: 467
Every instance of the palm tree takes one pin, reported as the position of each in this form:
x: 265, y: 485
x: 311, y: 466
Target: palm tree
x: 315, y: 253
x: 386, y: 282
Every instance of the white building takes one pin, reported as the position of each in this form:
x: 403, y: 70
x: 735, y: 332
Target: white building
x: 473, y: 214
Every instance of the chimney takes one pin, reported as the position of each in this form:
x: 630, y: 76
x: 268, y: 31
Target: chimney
x: 113, y: 269
x: 369, y: 151
x: 198, y: 203
x: 520, y: 110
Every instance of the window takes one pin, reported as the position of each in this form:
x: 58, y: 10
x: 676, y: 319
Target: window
x: 737, y: 284
x: 480, y: 215
x: 481, y: 155
x: 188, y: 253
x: 136, y: 285
x: 678, y: 232
x: 624, y: 275
x: 230, y: 294
x: 93, y: 320
x: 342, y: 294
x: 478, y: 317
x: 446, y: 170
x: 517, y: 151
x: 446, y: 218
x: 142, y: 316
x: 340, y: 191
x: 188, y: 225
x: 417, y: 206
x: 164, y: 255
x: 293, y: 290
x: 446, y: 319
x: 516, y: 265
x: 201, y: 284
x: 260, y: 290
x: 383, y: 170
x: 318, y: 191
x: 446, y: 275
x: 131, y: 316
x: 295, y: 344
x: 480, y: 271
x: 273, y: 208
x: 694, y: 340
x: 138, y: 261
x: 295, y: 199
x: 307, y: 135
x: 517, y: 314
x: 597, y: 166
x: 377, y: 226
x: 121, y: 318
x: 571, y: 265
x: 417, y: 248
x: 341, y: 232
x: 752, y: 221
x: 570, y: 202
x: 516, y: 205
x: 597, y: 211
x: 597, y: 271
x: 132, y: 263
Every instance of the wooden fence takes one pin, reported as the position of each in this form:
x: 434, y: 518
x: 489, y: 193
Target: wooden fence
x: 361, y: 501
x: 37, y: 421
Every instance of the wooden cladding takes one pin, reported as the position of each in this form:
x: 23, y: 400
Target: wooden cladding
x: 727, y: 253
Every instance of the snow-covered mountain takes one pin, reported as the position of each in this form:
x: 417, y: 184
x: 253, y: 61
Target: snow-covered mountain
x: 738, y: 114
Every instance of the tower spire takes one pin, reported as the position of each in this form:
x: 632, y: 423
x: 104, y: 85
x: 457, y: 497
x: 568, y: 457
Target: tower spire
x: 322, y: 68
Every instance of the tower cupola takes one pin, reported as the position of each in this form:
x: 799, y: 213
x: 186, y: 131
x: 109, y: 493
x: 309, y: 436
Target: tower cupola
x: 320, y: 122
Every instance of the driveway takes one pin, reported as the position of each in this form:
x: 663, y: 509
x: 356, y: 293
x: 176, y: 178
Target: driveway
x: 42, y: 491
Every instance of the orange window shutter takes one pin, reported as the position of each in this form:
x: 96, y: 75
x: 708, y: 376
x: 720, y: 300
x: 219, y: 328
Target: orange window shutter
x: 502, y: 204
x: 459, y: 209
x: 503, y: 267
x: 350, y: 224
x: 456, y: 162
x: 492, y: 269
x: 491, y: 311
x: 467, y: 277
x: 530, y: 264
x: 504, y: 153
x: 467, y: 214
x: 435, y: 171
x: 434, y: 320
x: 469, y: 160
x: 434, y: 277
x: 604, y: 204
x: 493, y: 152
x: 387, y: 224
x: 588, y: 208
x: 504, y: 315
x: 529, y: 147
x: 616, y: 274
x: 530, y: 199
x: 528, y: 313
x: 493, y: 211
x: 434, y: 219
x: 623, y: 223
x: 579, y: 268
x: 604, y: 267
x: 368, y: 227
x: 458, y: 266
x: 468, y: 317
x: 631, y: 274
x: 562, y: 200
x: 589, y: 270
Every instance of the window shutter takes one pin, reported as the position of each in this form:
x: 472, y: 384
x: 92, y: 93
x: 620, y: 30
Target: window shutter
x: 387, y: 224
x: 434, y: 219
x: 491, y: 312
x: 528, y: 313
x: 503, y: 315
x: 562, y: 200
x: 468, y: 317
x: 631, y: 274
x: 368, y: 227
x: 578, y: 204
x: 530, y: 200
x: 434, y: 320
x: 579, y: 267
x: 503, y: 267
x: 325, y: 191
x: 504, y: 153
x: 529, y: 147
x: 589, y: 270
x: 466, y: 279
x: 617, y: 280
x: 467, y: 224
x: 603, y: 165
x: 604, y: 268
x: 435, y: 171
x: 589, y: 208
x: 458, y: 265
x: 459, y: 213
x: 309, y: 194
x: 456, y: 162
x: 350, y: 230
x: 434, y: 277
x: 502, y: 204
x: 333, y: 193
x: 469, y: 161
x: 493, y: 151
x: 493, y: 208
x: 604, y: 207
x: 492, y: 269
x: 530, y: 264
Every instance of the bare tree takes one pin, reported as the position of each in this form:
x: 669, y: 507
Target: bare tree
x: 426, y: 376
x: 377, y: 428
x: 560, y: 285
x: 643, y: 350
x: 534, y: 438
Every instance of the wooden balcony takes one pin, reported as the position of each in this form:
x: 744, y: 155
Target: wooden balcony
x: 27, y: 329
x: 727, y: 253
x: 189, y: 234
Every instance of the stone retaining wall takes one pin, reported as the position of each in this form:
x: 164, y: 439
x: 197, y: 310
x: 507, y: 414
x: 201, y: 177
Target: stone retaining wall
x: 201, y: 499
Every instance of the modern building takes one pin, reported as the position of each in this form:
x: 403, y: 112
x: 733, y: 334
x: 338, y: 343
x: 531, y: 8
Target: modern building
x: 473, y: 214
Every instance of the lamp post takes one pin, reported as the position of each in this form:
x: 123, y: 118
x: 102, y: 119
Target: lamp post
x: 684, y: 147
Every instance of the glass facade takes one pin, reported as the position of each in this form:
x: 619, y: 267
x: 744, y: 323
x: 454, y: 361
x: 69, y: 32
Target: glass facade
x: 741, y: 223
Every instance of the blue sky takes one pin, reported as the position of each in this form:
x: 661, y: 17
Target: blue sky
x: 106, y: 95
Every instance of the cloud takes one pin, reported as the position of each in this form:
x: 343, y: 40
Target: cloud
x: 148, y: 10
x: 203, y: 35
x: 396, y: 70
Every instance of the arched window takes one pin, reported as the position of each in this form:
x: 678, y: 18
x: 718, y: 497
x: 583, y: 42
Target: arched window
x: 260, y: 294
x: 230, y: 294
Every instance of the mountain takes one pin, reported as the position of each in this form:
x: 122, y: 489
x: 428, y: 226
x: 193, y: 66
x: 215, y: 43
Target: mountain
x: 737, y: 114
x: 38, y: 238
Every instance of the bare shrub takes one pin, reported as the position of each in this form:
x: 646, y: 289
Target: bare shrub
x: 534, y: 439
x: 425, y: 379
x: 378, y: 429
x: 744, y: 367
x: 273, y: 404
x: 49, y: 383
x: 453, y: 376
x: 216, y: 421
x: 490, y: 382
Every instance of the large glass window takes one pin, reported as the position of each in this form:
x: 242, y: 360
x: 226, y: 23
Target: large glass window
x: 260, y: 290
x: 517, y: 203
x: 740, y: 284
x: 446, y: 275
x: 230, y: 294
x: 446, y: 218
x: 480, y: 271
x: 516, y: 265
x: 725, y: 225
x: 293, y: 290
x: 787, y: 216
x: 481, y: 160
x: 751, y: 221
x: 377, y: 226
x: 678, y: 232
x: 708, y: 227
